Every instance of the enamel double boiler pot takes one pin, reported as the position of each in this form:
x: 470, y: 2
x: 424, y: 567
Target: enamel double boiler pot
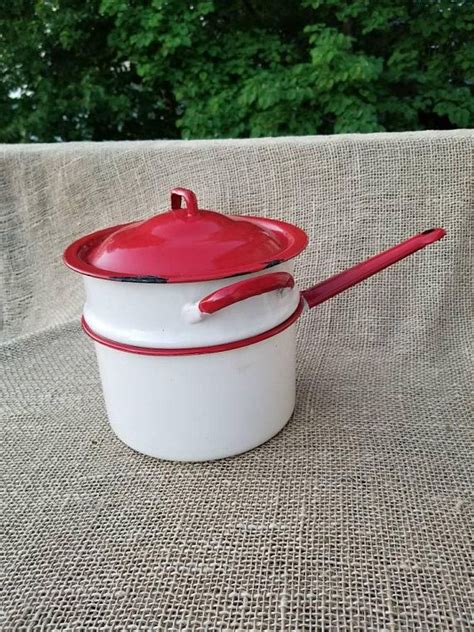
x: 193, y: 316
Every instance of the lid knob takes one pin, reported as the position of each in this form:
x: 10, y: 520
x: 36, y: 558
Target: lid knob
x: 189, y: 197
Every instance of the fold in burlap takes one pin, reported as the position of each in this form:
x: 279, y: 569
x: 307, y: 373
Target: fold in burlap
x: 356, y: 516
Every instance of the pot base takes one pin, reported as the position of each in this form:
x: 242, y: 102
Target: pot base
x: 200, y: 407
x: 203, y: 458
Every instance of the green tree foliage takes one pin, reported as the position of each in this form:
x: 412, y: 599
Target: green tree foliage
x: 110, y: 69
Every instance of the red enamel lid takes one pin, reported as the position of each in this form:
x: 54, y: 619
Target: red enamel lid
x: 185, y: 244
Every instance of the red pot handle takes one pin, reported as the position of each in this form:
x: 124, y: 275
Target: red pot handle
x: 177, y: 194
x: 344, y: 280
x: 239, y: 291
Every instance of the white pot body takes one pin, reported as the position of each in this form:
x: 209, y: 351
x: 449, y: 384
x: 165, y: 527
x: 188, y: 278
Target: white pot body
x: 200, y: 407
x: 158, y: 314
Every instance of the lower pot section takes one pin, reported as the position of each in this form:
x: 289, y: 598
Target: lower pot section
x: 200, y: 407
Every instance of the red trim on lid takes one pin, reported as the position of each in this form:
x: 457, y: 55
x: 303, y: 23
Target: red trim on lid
x: 228, y: 346
x: 294, y: 240
x: 185, y: 244
x: 75, y: 255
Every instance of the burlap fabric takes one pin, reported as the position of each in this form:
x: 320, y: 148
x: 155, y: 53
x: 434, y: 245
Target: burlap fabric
x: 356, y: 516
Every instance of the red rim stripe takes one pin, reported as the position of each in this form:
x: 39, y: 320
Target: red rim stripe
x: 120, y: 346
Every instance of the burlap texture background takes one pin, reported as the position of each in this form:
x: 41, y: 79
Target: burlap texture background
x: 356, y: 516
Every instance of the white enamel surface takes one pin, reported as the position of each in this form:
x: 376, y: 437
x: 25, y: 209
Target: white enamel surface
x: 165, y: 314
x: 200, y: 407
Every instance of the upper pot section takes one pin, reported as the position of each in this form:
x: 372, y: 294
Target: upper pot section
x: 185, y: 244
